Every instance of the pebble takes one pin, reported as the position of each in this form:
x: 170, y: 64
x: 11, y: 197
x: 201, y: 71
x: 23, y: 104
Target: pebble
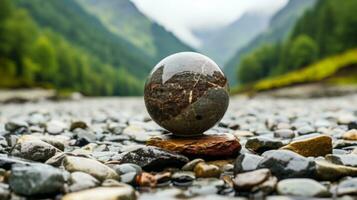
x: 347, y: 187
x: 350, y: 135
x: 103, y: 193
x: 6, y: 162
x: 246, y: 181
x: 203, y: 170
x: 302, y: 187
x: 191, y: 165
x: 80, y: 181
x: 4, y: 191
x: 246, y: 162
x: 89, y: 166
x: 284, y: 133
x: 36, y: 179
x: 35, y: 150
x: 346, y: 160
x: 304, y: 130
x: 128, y: 172
x: 287, y: 164
x: 146, y: 180
x: 15, y: 124
x: 314, y: 146
x: 55, y: 127
x: 261, y: 144
x: 152, y: 158
x: 331, y: 172
x: 183, y: 178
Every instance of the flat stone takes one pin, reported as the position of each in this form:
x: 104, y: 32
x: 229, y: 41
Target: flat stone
x: 248, y: 180
x: 103, y: 193
x: 284, y: 133
x: 205, y: 146
x: 347, y: 160
x: 261, y: 144
x: 302, y: 187
x: 6, y: 162
x: 55, y: 127
x: 36, y: 179
x: 89, y: 166
x: 350, y: 135
x: 330, y: 172
x: 287, y: 164
x: 153, y: 158
x: 246, y: 162
x: 315, y: 146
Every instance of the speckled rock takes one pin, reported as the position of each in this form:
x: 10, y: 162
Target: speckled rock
x: 89, y: 166
x: 103, y: 193
x: 36, y: 179
x: 35, y: 150
x: 287, y: 164
x: 302, y: 187
x: 205, y: 146
x: 186, y: 93
x: 314, y: 146
x: 153, y: 158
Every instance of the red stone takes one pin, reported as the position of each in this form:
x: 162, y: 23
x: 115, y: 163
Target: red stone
x: 207, y: 146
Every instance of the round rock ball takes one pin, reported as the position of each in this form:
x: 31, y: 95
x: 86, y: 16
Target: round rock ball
x: 186, y: 93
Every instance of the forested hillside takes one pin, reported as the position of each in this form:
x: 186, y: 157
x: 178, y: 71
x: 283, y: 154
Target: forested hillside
x: 123, y: 18
x: 39, y: 46
x: 327, y: 29
x: 280, y: 26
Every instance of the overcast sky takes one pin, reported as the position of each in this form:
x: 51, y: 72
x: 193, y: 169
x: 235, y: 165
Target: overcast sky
x: 183, y: 16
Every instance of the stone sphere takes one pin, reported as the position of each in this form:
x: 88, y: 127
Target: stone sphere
x: 186, y: 93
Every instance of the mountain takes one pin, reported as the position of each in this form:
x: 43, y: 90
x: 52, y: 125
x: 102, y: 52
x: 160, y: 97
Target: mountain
x: 123, y: 18
x: 280, y: 25
x: 69, y: 19
x: 221, y: 44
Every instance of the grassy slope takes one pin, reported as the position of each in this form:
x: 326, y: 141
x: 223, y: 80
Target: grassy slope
x: 316, y: 72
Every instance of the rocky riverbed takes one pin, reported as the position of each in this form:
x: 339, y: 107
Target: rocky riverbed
x: 104, y: 149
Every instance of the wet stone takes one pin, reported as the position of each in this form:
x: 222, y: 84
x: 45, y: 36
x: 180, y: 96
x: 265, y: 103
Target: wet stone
x: 261, y: 144
x: 36, y: 179
x: 287, y: 164
x: 153, y: 158
x: 186, y: 93
x: 246, y: 162
x: 302, y: 187
x: 211, y: 146
x: 314, y: 146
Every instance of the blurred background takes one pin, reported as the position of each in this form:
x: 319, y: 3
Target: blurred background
x: 108, y: 47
